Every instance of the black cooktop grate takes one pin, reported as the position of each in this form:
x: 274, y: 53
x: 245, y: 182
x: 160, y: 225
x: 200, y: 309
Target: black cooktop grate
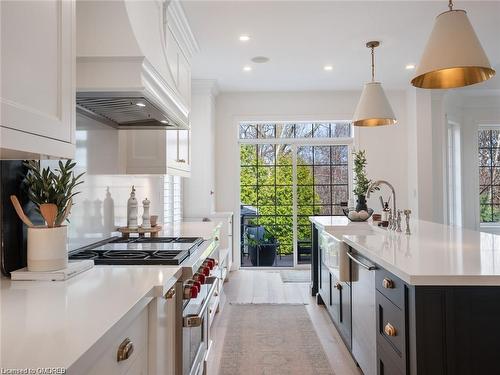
x: 137, y: 254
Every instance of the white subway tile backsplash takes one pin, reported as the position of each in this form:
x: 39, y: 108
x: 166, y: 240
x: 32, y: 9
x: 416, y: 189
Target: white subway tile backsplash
x: 96, y: 215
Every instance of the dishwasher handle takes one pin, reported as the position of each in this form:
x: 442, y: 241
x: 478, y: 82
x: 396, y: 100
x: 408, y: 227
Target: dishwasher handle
x: 369, y: 267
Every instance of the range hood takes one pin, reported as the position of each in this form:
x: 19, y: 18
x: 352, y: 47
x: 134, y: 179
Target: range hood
x: 124, y: 77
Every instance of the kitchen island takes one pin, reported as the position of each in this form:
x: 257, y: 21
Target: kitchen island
x: 425, y: 303
x: 64, y: 324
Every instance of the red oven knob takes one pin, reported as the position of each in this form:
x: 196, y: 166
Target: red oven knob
x: 209, y: 263
x: 214, y: 261
x: 190, y: 292
x: 195, y: 284
x: 205, y: 271
x: 199, y: 278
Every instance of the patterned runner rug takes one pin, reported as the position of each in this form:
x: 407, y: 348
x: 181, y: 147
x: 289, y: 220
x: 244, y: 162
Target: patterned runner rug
x: 267, y: 339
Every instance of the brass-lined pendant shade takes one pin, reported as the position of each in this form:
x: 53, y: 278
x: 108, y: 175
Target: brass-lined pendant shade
x: 453, y: 56
x: 373, y: 108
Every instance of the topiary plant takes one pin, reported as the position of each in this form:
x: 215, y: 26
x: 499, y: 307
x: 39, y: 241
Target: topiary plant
x: 361, y: 181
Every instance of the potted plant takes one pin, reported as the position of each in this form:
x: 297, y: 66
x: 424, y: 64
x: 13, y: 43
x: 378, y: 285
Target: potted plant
x: 262, y: 246
x: 52, y: 193
x: 361, y: 181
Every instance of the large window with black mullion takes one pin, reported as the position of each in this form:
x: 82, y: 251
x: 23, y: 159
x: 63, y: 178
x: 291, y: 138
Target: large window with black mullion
x: 322, y: 184
x: 489, y: 174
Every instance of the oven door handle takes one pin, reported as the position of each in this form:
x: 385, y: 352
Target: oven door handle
x: 369, y: 267
x: 197, y: 320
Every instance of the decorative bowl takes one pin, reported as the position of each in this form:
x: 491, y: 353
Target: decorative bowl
x: 346, y: 211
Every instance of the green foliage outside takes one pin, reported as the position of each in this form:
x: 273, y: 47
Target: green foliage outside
x: 488, y: 213
x: 275, y: 192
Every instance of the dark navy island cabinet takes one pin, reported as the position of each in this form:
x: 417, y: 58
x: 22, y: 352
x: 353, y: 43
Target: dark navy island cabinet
x: 424, y: 330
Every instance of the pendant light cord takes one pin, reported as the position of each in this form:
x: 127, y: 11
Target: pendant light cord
x: 373, y: 64
x: 450, y: 4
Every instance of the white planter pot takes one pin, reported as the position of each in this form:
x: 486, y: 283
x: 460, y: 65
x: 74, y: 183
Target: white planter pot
x: 47, y: 248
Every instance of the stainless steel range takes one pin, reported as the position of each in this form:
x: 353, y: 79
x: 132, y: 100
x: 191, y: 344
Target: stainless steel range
x: 139, y: 250
x: 197, y: 287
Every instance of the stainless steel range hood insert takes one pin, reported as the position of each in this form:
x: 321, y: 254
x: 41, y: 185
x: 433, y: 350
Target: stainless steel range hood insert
x: 123, y: 112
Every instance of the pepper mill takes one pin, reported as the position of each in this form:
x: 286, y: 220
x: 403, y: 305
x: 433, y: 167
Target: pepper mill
x: 146, y: 223
x: 407, y: 213
x: 132, y: 210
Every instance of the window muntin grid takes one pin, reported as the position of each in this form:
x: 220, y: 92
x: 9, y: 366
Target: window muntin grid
x: 264, y: 171
x: 489, y: 174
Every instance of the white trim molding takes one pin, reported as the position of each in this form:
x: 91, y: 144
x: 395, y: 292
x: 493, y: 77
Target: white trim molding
x: 205, y: 86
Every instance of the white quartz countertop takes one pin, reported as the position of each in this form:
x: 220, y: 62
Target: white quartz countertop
x: 203, y: 229
x: 434, y: 254
x: 52, y: 324
x: 326, y: 222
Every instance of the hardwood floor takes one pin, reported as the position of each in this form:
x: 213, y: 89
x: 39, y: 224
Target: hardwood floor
x: 259, y: 286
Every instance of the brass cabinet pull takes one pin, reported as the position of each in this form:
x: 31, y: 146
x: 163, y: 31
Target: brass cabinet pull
x: 388, y: 283
x: 181, y: 160
x: 390, y: 330
x: 125, y: 350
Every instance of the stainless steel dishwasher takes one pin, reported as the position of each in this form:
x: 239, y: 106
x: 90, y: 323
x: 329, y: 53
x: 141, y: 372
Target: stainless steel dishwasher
x: 364, y: 327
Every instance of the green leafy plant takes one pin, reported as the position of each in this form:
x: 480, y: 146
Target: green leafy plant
x: 52, y: 186
x: 268, y: 238
x: 361, y: 180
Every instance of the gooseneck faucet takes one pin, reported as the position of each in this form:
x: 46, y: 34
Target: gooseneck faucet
x: 376, y: 184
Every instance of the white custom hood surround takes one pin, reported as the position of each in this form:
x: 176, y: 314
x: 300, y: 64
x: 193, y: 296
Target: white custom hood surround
x: 131, y: 52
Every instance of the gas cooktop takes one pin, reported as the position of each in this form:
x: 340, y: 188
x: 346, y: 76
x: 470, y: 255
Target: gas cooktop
x: 139, y: 250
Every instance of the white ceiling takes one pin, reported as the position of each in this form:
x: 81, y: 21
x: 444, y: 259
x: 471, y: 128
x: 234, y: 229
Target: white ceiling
x: 300, y: 37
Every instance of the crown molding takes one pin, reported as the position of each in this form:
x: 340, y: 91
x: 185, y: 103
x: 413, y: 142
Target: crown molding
x: 205, y: 86
x: 181, y: 29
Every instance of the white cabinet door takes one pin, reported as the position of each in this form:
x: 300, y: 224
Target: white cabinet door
x: 137, y: 363
x: 38, y: 70
x: 157, y: 152
x: 172, y: 145
x: 146, y: 151
x: 183, y: 147
x: 178, y: 152
x: 180, y: 68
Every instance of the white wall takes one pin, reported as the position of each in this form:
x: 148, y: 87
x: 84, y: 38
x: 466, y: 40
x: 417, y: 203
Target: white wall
x: 471, y: 109
x: 386, y: 147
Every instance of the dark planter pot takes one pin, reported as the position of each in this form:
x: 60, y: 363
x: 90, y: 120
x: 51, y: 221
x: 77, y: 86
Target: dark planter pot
x: 361, y: 203
x: 267, y: 255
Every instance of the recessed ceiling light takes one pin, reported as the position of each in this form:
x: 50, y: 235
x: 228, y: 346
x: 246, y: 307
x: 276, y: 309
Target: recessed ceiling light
x: 244, y: 38
x: 140, y: 104
x: 247, y: 68
x: 328, y: 68
x: 410, y: 66
x: 164, y: 121
x: 260, y: 59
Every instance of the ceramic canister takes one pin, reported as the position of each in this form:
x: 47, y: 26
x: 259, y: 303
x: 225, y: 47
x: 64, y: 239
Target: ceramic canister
x: 47, y: 248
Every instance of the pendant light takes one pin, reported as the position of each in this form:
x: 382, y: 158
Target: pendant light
x: 453, y: 56
x: 373, y: 107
